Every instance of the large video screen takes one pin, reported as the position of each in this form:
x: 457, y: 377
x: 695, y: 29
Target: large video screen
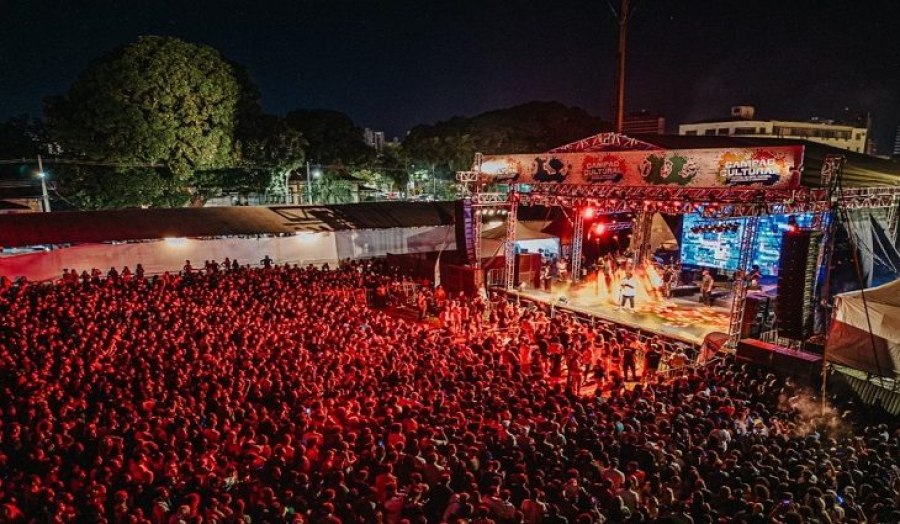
x: 720, y: 248
x: 710, y: 248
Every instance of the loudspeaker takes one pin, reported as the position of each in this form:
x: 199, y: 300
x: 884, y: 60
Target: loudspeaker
x: 465, y: 227
x: 796, y: 283
x: 780, y: 359
x: 461, y: 278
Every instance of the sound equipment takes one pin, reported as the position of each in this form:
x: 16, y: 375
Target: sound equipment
x: 465, y: 227
x: 802, y: 365
x: 756, y: 315
x: 463, y: 278
x: 796, y: 283
x: 528, y: 269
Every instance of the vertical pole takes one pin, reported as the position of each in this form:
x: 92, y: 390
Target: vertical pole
x: 309, y: 193
x: 43, y: 184
x: 640, y: 236
x: 620, y: 65
x: 577, y: 240
x: 739, y: 295
x: 510, y: 254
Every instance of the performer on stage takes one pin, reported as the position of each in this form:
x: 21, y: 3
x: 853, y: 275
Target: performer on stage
x: 706, y: 287
x: 669, y: 279
x: 546, y: 277
x: 627, y: 290
x: 562, y: 270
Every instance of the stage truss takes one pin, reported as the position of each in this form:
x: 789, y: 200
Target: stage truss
x: 645, y: 201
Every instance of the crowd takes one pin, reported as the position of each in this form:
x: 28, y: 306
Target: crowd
x: 277, y: 395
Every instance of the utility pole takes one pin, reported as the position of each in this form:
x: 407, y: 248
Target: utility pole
x: 309, y: 188
x: 43, y: 177
x: 622, y: 15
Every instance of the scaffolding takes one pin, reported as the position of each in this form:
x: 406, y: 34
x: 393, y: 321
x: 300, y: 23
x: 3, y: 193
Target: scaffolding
x: 510, y: 251
x: 749, y: 238
x: 577, y: 244
x: 712, y: 203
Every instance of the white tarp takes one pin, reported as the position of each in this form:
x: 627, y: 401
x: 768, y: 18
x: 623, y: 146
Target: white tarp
x: 865, y: 334
x: 169, y: 255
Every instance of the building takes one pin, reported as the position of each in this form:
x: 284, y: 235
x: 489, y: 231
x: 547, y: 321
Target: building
x: 743, y: 122
x: 374, y: 138
x: 896, y: 152
x: 642, y: 123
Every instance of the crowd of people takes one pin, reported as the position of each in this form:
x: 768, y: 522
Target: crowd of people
x: 277, y: 395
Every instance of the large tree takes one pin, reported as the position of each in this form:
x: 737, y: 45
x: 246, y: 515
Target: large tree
x: 528, y: 128
x: 157, y: 102
x: 332, y: 136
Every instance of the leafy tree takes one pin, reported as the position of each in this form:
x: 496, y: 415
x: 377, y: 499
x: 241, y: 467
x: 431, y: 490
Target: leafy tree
x: 533, y: 127
x: 332, y: 137
x: 158, y: 101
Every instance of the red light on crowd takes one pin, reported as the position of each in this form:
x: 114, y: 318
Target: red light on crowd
x: 589, y: 212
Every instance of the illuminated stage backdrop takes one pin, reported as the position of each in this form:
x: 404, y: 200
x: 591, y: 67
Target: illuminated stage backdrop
x: 775, y: 167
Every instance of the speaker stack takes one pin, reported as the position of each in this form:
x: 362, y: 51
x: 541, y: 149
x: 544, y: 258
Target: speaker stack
x: 795, y: 307
x: 465, y: 226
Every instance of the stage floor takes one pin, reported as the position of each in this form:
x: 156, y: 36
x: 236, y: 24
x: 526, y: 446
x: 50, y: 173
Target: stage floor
x: 681, y: 319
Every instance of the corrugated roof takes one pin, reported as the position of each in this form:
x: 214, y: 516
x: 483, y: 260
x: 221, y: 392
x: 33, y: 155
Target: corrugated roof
x: 75, y: 227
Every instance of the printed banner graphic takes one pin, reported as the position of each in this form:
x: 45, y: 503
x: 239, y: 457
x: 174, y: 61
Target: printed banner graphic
x: 777, y: 166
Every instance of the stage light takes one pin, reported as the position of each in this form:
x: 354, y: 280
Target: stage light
x: 589, y: 212
x: 793, y: 226
x: 599, y: 229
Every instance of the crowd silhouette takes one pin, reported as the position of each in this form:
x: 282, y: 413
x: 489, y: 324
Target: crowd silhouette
x: 277, y: 395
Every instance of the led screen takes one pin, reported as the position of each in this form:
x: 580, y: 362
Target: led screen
x: 720, y: 249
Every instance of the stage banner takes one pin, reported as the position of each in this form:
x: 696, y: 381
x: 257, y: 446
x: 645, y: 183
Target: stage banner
x: 775, y: 166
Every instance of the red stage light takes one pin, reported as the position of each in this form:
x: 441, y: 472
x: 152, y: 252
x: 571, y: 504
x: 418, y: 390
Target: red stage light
x: 599, y: 229
x: 589, y: 212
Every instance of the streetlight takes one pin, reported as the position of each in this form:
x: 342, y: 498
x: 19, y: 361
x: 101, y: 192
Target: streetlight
x: 310, y: 174
x: 43, y: 177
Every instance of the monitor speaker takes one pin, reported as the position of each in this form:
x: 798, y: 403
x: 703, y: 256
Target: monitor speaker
x: 796, y: 283
x: 465, y: 227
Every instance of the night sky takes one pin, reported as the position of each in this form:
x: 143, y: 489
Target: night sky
x: 393, y: 64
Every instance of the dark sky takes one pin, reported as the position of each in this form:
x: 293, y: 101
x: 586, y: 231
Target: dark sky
x: 391, y: 64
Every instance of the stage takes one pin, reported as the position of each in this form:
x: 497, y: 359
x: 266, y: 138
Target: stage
x: 685, y: 320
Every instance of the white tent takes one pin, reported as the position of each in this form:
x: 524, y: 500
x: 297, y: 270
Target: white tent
x: 527, y: 238
x: 865, y: 334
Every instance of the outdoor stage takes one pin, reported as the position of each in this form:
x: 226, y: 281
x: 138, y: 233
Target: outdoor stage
x: 685, y: 320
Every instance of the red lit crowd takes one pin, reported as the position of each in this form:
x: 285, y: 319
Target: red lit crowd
x: 277, y: 395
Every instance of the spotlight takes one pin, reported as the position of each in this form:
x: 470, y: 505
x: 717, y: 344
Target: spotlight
x: 589, y: 212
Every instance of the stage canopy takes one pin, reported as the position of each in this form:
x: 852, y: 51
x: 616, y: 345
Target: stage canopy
x: 78, y: 227
x: 854, y: 344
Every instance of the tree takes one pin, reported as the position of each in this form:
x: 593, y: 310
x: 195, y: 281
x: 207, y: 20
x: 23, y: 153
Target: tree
x: 533, y: 127
x: 156, y: 102
x: 332, y: 137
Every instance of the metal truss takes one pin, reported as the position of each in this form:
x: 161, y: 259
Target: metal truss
x: 640, y: 236
x: 577, y: 244
x: 510, y: 255
x: 481, y: 199
x: 477, y: 227
x: 605, y: 142
x: 739, y: 293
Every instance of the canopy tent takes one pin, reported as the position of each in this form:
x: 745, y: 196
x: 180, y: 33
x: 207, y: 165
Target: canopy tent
x: 527, y: 238
x: 865, y: 333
